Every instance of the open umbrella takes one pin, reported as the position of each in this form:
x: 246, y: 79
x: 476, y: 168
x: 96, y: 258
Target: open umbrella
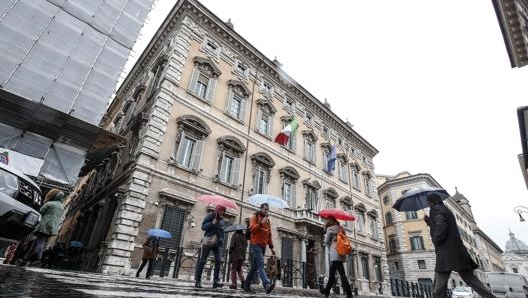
x: 235, y: 227
x: 259, y: 199
x: 416, y: 199
x: 218, y: 201
x: 159, y: 233
x: 337, y: 213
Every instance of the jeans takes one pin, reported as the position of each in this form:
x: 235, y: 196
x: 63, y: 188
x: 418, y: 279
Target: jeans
x: 257, y: 263
x: 442, y: 278
x: 37, y: 247
x: 203, y: 259
x: 338, y: 266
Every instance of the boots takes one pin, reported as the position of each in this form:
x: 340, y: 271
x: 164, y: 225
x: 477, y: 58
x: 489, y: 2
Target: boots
x: 217, y: 285
x: 198, y: 284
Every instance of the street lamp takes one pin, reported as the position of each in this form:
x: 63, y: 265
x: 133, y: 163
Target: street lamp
x: 519, y: 210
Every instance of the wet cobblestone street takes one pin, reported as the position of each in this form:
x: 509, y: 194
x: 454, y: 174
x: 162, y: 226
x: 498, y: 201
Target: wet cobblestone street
x: 47, y: 283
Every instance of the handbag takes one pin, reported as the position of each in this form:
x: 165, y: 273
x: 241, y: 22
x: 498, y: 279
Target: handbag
x: 210, y: 241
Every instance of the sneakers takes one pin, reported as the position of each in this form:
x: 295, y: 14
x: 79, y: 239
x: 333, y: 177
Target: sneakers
x: 217, y: 285
x: 269, y: 288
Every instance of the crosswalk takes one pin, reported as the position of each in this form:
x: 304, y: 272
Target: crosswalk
x: 25, y: 282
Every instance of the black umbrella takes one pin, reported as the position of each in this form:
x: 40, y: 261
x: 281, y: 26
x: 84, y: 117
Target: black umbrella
x: 236, y: 227
x: 416, y: 199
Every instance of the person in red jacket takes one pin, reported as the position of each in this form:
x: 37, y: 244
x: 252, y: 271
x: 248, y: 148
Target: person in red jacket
x: 260, y: 228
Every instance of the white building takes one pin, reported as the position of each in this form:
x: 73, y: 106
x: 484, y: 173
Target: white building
x: 515, y: 256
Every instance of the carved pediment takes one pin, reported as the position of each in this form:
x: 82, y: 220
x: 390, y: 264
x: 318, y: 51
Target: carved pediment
x: 194, y: 123
x: 207, y: 65
x: 263, y: 158
x: 289, y: 172
x: 232, y: 142
x: 239, y: 87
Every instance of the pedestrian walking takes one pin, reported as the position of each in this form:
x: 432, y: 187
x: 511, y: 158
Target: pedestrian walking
x: 51, y: 213
x: 260, y: 228
x: 336, y: 260
x: 451, y: 254
x: 150, y: 252
x: 237, y: 256
x: 213, y: 226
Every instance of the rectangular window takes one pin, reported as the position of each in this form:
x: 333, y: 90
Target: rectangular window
x: 201, y: 86
x: 288, y: 193
x: 411, y: 214
x: 311, y: 198
x: 260, y: 180
x: 185, y: 151
x: 368, y: 188
x: 421, y: 264
x: 227, y: 168
x: 236, y: 106
x: 356, y: 180
x: 309, y: 153
x: 365, y: 267
x: 361, y: 222
x: 374, y: 228
x: 417, y: 243
x: 264, y: 123
x: 343, y: 173
x: 392, y: 244
x: 388, y: 218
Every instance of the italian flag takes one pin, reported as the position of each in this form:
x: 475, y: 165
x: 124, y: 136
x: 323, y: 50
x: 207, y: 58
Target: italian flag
x: 288, y: 131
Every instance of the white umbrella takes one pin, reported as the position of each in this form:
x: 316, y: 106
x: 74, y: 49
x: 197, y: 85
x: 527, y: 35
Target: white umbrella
x: 272, y: 201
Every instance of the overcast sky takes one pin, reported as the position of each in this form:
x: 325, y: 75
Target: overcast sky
x: 428, y: 83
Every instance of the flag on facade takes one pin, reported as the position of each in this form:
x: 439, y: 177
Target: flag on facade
x: 330, y: 167
x: 288, y: 131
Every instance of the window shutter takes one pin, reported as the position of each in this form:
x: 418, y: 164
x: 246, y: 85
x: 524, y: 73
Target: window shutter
x: 243, y: 105
x: 181, y: 147
x: 236, y: 171
x: 259, y: 115
x: 197, y: 154
x: 194, y: 79
x: 222, y: 173
x: 270, y: 126
x: 229, y: 101
x: 210, y: 90
x: 306, y: 148
x: 293, y: 196
x: 265, y: 181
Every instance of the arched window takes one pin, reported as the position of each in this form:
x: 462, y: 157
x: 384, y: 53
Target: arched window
x: 191, y: 133
x: 265, y: 112
x: 330, y: 196
x: 231, y: 149
x: 311, y: 197
x: 204, y: 77
x: 289, y: 178
x: 237, y: 100
x: 262, y: 165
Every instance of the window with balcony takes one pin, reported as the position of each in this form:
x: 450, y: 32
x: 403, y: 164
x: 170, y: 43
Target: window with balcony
x: 311, y: 196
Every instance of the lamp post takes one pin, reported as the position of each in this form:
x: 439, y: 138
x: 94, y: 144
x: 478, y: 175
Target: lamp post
x: 519, y: 210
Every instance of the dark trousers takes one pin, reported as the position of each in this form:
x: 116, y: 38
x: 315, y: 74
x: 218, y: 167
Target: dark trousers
x: 338, y: 266
x: 36, y: 250
x: 149, y: 268
x: 442, y: 278
x: 203, y: 259
x: 236, y: 269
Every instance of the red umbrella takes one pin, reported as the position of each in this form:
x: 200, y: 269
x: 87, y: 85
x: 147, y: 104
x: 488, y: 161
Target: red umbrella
x: 337, y: 213
x: 218, y: 200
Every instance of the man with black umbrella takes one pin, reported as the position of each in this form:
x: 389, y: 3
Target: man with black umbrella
x: 451, y: 254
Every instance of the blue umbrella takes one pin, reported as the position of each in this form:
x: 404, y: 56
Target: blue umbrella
x: 159, y: 233
x: 416, y: 199
x: 259, y: 199
x: 76, y: 244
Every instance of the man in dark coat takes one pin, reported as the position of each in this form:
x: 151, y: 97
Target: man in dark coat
x: 451, y: 254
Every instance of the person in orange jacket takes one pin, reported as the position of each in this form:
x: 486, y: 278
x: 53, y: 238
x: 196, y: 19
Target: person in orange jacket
x: 260, y: 228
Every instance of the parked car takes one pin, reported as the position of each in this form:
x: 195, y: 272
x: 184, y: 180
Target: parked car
x: 20, y: 198
x: 508, y: 285
x: 462, y: 292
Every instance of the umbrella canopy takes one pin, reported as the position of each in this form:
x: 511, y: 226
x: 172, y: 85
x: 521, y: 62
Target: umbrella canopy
x: 337, y: 213
x: 218, y: 201
x: 76, y: 244
x: 236, y: 227
x: 159, y: 233
x: 416, y: 199
x: 259, y: 199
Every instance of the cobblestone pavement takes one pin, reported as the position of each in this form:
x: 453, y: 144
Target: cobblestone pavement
x: 47, y: 283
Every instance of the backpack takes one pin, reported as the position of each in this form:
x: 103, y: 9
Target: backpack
x: 343, y: 245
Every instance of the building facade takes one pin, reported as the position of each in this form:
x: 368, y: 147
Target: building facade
x: 410, y: 251
x: 200, y: 110
x: 60, y: 63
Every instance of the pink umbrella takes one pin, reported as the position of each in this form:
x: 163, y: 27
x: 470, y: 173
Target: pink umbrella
x: 218, y: 201
x: 337, y: 213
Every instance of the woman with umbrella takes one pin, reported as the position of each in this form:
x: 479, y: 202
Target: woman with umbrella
x: 336, y: 260
x: 150, y: 252
x: 213, y: 227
